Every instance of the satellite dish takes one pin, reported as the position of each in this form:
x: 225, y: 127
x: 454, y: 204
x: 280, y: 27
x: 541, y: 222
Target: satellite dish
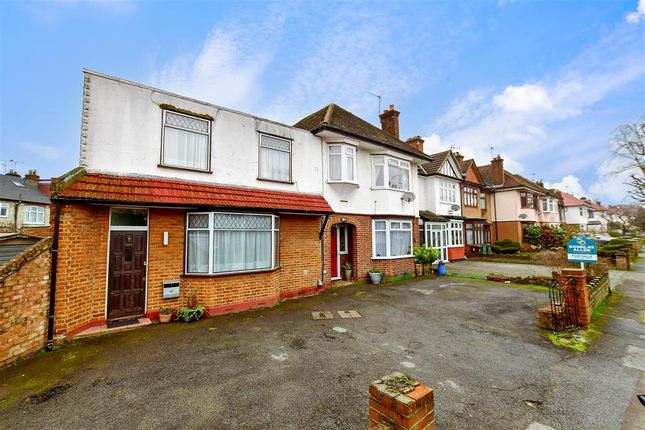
x: 522, y: 216
x: 454, y: 207
x: 408, y: 197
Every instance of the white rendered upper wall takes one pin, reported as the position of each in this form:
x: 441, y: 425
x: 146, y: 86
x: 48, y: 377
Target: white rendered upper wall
x: 122, y: 134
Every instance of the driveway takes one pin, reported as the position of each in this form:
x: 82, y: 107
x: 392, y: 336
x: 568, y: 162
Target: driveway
x: 473, y: 267
x: 474, y: 342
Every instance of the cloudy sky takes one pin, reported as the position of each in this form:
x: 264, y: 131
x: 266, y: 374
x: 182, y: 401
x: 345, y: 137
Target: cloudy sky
x: 544, y: 83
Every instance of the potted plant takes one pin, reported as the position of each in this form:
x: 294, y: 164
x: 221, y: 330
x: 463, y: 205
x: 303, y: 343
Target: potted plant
x: 192, y: 311
x: 375, y: 276
x: 347, y: 271
x: 424, y: 256
x: 165, y: 313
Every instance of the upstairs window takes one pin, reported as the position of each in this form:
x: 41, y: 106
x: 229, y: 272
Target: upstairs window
x: 34, y: 215
x: 581, y: 212
x: 342, y: 163
x: 4, y: 210
x: 482, y: 201
x: 447, y: 192
x: 527, y: 200
x: 186, y: 141
x: 470, y: 197
x: 391, y: 173
x: 275, y: 158
x: 551, y: 205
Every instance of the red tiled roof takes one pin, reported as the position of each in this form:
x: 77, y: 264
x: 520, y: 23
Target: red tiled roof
x: 160, y: 191
x: 569, y: 200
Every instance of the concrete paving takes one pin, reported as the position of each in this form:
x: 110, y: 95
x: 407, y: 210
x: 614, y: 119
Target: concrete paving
x: 472, y: 267
x: 474, y: 342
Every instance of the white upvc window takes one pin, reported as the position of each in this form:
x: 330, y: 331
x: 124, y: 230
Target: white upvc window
x: 342, y: 163
x: 390, y: 172
x: 391, y: 238
x: 218, y: 242
x: 4, y: 210
x: 34, y: 215
x: 545, y: 205
x: 185, y: 141
x: 552, y: 203
x: 447, y: 192
x: 456, y: 233
x: 274, y: 158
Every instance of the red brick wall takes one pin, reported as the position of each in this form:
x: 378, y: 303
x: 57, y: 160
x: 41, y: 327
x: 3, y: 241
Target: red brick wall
x: 37, y: 231
x: 362, y: 260
x: 83, y: 266
x: 24, y: 302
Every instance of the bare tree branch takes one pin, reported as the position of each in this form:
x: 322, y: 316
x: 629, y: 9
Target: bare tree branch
x: 628, y: 143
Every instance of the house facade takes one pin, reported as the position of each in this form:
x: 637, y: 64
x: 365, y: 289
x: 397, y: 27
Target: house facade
x: 369, y: 179
x: 24, y: 204
x: 475, y: 196
x: 175, y: 197
x: 584, y: 213
x: 442, y: 220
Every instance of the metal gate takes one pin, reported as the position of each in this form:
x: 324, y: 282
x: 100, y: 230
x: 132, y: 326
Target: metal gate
x: 563, y: 298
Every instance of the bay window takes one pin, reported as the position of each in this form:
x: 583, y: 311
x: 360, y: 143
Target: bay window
x: 274, y: 158
x: 391, y: 238
x: 526, y: 199
x: 342, y: 163
x: 185, y: 141
x: 447, y: 192
x: 34, y: 215
x: 391, y: 173
x: 227, y: 242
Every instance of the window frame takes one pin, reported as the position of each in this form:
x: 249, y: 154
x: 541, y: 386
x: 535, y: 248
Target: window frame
x: 28, y: 210
x: 525, y: 196
x: 290, y: 180
x: 163, y: 141
x: 386, y: 171
x: 275, y: 240
x: 471, y: 194
x: 388, y: 240
x: 482, y: 201
x: 344, y: 251
x: 455, y: 234
x: 450, y: 189
x: 344, y: 156
x: 4, y: 207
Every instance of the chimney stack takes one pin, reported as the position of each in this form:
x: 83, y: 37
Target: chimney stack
x: 459, y: 157
x: 497, y: 170
x: 540, y: 183
x: 32, y: 178
x: 416, y: 142
x: 13, y: 173
x: 390, y: 121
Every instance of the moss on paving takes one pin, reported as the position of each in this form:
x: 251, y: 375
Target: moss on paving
x: 485, y: 281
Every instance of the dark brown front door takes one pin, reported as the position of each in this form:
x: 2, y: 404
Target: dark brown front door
x: 127, y: 274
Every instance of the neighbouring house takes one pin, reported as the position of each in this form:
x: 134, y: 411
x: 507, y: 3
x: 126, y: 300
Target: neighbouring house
x: 24, y: 204
x: 12, y: 244
x: 517, y: 202
x: 475, y: 196
x: 175, y: 196
x: 551, y: 207
x: 369, y: 179
x: 584, y: 213
x: 442, y: 220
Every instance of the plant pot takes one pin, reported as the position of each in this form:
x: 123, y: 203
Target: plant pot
x: 347, y: 275
x: 375, y: 277
x: 441, y: 269
x: 418, y: 269
x: 164, y: 318
x: 427, y: 269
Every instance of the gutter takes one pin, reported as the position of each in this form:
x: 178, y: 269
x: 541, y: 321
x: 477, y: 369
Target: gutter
x: 52, y: 283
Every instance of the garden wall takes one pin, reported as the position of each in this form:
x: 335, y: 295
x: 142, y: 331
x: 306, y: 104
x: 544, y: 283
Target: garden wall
x: 24, y: 302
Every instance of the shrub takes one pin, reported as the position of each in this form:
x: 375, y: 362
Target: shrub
x: 506, y: 246
x: 545, y: 237
x: 615, y: 233
x: 425, y: 255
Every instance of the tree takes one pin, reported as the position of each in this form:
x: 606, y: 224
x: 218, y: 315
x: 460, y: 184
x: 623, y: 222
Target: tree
x: 622, y: 217
x: 628, y: 143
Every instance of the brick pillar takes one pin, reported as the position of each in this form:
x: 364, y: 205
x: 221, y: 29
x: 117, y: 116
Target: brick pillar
x: 584, y: 308
x: 398, y: 402
x: 622, y: 260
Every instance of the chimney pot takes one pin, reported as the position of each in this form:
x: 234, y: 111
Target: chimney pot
x: 391, y: 107
x: 32, y: 178
x: 13, y: 173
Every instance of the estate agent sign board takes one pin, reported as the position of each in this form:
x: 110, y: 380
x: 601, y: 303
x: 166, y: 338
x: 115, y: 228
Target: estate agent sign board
x: 581, y: 249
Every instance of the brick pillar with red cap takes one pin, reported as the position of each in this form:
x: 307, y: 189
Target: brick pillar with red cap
x: 398, y: 402
x: 579, y: 277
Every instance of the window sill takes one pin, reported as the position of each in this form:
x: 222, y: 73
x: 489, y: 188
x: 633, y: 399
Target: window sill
x: 275, y: 180
x: 26, y: 224
x: 389, y: 189
x: 344, y: 183
x: 398, y: 257
x: 190, y: 169
x: 217, y: 275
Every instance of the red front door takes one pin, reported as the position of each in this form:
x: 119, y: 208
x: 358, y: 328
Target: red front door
x: 127, y: 274
x: 334, y: 252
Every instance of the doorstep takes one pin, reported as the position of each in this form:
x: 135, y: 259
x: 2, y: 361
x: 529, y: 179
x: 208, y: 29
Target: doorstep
x: 103, y: 328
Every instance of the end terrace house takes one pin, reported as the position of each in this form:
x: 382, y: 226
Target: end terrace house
x: 175, y: 196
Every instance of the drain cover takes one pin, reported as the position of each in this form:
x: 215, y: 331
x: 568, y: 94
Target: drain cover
x: 349, y: 314
x: 322, y: 315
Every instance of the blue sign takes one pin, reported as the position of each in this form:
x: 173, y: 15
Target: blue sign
x: 581, y: 249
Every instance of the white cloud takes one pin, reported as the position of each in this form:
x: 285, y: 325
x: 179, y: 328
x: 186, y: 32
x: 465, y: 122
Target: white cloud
x: 47, y: 152
x: 570, y: 184
x: 611, y: 183
x: 524, y: 98
x: 635, y: 17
